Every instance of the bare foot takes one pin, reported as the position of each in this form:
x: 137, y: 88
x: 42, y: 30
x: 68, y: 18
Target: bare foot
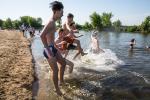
x: 70, y: 70
x: 58, y: 92
x: 61, y: 83
x: 83, y: 53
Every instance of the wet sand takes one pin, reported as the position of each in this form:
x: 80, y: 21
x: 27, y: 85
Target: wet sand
x: 16, y: 67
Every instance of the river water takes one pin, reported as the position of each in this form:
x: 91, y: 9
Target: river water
x: 117, y: 74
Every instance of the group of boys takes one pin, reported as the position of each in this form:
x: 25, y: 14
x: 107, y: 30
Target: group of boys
x: 55, y: 48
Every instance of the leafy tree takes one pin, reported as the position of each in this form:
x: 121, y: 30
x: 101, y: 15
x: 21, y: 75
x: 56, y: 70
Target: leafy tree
x: 16, y: 24
x: 1, y: 23
x: 117, y: 24
x: 25, y: 20
x: 39, y: 20
x: 59, y: 23
x: 96, y: 21
x: 78, y: 26
x: 145, y: 26
x: 30, y: 21
x: 106, y: 20
x: 7, y: 24
x: 87, y: 26
x: 132, y: 28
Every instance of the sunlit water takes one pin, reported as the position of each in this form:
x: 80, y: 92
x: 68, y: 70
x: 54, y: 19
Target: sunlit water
x: 118, y: 73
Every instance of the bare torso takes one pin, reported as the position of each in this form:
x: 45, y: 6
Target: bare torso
x: 58, y: 42
x: 66, y: 31
x: 51, y: 34
x: 94, y: 43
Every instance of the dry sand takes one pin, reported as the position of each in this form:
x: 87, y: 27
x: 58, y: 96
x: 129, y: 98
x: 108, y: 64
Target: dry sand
x: 16, y: 67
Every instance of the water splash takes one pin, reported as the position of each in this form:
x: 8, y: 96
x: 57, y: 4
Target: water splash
x: 106, y: 61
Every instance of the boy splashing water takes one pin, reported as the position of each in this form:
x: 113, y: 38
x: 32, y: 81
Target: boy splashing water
x: 95, y: 43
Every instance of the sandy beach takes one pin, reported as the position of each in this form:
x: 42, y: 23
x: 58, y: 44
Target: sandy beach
x: 16, y: 67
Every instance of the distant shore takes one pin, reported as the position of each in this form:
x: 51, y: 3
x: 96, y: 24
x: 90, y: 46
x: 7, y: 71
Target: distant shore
x: 16, y: 67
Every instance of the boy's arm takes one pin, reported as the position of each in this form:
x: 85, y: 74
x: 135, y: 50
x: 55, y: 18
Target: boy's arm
x: 75, y: 30
x: 71, y: 31
x: 72, y: 34
x: 62, y: 42
x: 68, y: 27
x: 79, y: 36
x: 59, y: 43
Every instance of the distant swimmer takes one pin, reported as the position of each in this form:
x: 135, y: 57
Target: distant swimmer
x: 147, y: 47
x: 132, y: 43
x: 95, y: 48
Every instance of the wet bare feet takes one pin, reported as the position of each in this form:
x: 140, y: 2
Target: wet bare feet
x: 61, y: 83
x: 83, y: 53
x: 70, y: 70
x: 58, y: 92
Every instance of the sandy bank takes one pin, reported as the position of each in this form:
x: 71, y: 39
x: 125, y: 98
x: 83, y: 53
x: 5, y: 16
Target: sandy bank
x: 16, y: 67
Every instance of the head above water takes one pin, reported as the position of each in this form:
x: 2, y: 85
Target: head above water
x: 133, y: 40
x: 57, y: 8
x: 95, y: 34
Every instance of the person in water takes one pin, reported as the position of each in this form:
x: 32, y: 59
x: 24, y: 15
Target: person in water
x: 95, y: 48
x: 69, y: 35
x: 132, y: 43
x: 147, y: 47
x: 53, y: 56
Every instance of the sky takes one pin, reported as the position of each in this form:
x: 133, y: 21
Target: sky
x: 130, y: 12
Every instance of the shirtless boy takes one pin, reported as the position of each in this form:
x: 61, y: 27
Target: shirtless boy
x: 50, y: 52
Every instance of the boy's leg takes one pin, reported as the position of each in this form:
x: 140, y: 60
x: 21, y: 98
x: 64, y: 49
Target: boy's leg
x: 66, y: 53
x: 70, y: 65
x: 77, y: 54
x: 79, y: 47
x: 62, y: 63
x: 53, y: 64
x: 78, y: 44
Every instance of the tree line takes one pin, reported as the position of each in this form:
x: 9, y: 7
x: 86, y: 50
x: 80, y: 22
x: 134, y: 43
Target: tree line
x: 97, y: 22
x: 26, y: 20
x: 103, y: 23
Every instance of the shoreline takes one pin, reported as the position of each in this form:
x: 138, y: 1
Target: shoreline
x: 17, y: 73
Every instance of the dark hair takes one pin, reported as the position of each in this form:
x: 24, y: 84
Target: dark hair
x: 60, y: 30
x: 56, y: 5
x: 132, y: 40
x: 72, y: 23
x: 70, y: 15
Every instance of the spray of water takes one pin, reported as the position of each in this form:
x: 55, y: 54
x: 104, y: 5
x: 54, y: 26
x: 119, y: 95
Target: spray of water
x: 106, y: 61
